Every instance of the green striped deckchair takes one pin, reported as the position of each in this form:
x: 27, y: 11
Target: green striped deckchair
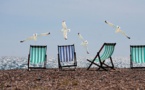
x: 66, y: 56
x: 37, y: 55
x: 104, y: 53
x: 137, y: 55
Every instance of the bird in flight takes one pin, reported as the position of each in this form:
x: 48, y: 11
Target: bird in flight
x: 118, y: 30
x: 35, y: 36
x: 84, y: 42
x: 65, y: 30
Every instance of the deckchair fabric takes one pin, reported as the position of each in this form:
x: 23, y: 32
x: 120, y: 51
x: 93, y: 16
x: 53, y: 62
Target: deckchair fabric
x: 108, y: 51
x: 37, y: 54
x: 137, y: 54
x: 104, y: 53
x: 66, y: 53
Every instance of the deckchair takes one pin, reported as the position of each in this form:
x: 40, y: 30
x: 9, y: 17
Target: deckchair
x: 137, y: 55
x: 101, y: 57
x: 66, y: 56
x: 37, y: 57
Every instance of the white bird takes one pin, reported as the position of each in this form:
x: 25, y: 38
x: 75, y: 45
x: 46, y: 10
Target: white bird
x: 117, y: 29
x: 35, y: 36
x: 84, y: 42
x: 65, y: 30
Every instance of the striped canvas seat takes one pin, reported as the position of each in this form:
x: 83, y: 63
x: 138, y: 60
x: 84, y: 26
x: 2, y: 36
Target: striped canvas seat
x: 137, y: 54
x: 67, y: 55
x: 108, y: 51
x: 37, y: 55
x: 104, y: 53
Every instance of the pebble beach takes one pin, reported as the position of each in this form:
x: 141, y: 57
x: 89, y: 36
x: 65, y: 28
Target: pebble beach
x: 80, y: 79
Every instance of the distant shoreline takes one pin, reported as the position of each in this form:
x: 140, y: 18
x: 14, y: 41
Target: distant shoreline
x: 13, y: 62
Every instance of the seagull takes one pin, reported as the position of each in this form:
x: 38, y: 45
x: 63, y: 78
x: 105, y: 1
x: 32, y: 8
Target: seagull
x: 34, y: 37
x: 84, y: 42
x: 64, y: 30
x: 118, y: 30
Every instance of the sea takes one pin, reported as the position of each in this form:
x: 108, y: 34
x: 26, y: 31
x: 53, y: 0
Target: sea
x: 12, y: 62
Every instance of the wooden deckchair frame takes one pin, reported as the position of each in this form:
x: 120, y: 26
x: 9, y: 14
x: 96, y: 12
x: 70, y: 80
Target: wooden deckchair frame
x: 44, y: 67
x: 131, y: 61
x: 102, y: 65
x: 59, y: 62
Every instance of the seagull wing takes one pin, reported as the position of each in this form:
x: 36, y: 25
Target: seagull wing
x: 29, y: 38
x: 84, y: 44
x: 123, y: 33
x: 64, y: 31
x: 64, y: 25
x: 81, y: 37
x: 43, y: 34
x: 110, y: 24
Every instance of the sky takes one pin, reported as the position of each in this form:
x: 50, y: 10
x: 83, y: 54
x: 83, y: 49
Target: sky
x: 20, y: 19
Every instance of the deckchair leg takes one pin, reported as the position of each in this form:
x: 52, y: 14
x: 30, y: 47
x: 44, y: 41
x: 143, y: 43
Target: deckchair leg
x: 60, y: 67
x: 45, y: 61
x: 28, y: 61
x: 101, y: 66
x: 90, y: 64
x: 107, y: 65
x: 131, y: 64
x: 103, y: 63
x: 112, y: 62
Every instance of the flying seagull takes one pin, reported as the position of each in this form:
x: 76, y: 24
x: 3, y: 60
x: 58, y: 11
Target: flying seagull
x: 84, y: 42
x: 118, y: 30
x: 65, y: 30
x: 35, y: 36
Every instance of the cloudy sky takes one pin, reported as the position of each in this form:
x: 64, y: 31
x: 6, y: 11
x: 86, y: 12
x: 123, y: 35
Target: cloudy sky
x: 20, y: 19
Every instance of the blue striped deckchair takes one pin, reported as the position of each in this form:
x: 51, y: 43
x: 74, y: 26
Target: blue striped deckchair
x: 67, y: 55
x: 37, y: 55
x: 137, y: 55
x: 101, y: 56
